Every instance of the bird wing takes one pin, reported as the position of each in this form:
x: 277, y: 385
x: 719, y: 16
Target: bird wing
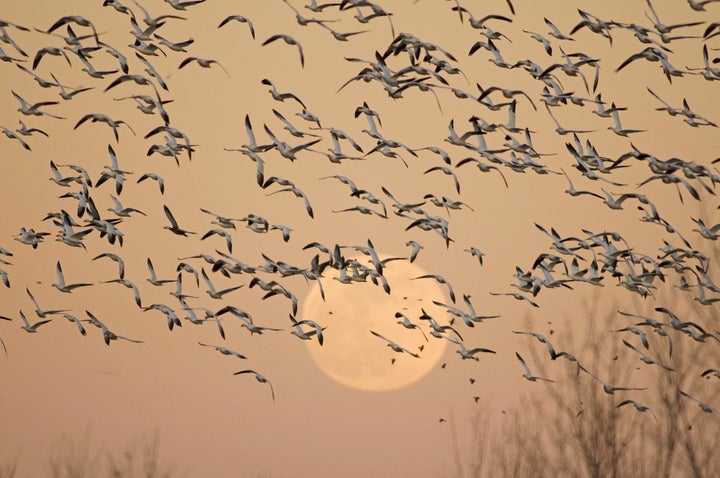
x: 522, y: 362
x: 61, y: 278
x: 32, y: 298
x: 170, y: 217
x: 210, y: 286
x: 24, y: 319
x: 380, y: 336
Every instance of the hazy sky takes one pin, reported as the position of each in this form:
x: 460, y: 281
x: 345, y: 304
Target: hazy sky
x: 57, y: 383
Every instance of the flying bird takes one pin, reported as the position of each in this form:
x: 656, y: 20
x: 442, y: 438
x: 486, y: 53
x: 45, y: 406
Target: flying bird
x: 49, y: 50
x: 34, y: 109
x: 156, y: 177
x: 469, y: 354
x: 12, y: 135
x: 203, y: 62
x: 216, y: 294
x: 408, y: 324
x: 25, y: 131
x: 290, y: 41
x: 61, y: 286
x: 77, y: 323
x: 102, y: 118
x: 610, y: 389
x: 394, y: 346
x: 224, y: 350
x: 183, y: 5
x: 551, y: 350
x: 703, y: 406
x: 31, y: 328
x: 40, y: 312
x: 638, y: 406
x: 174, y: 227
x: 277, y: 96
x: 130, y: 285
x: 153, y: 277
x: 241, y: 19
x: 315, y: 331
x: 108, y: 335
x: 528, y: 374
x: 260, y: 378
x: 76, y: 19
x: 617, y: 127
x: 648, y: 360
x: 440, y: 279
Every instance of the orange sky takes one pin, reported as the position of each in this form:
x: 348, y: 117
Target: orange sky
x: 58, y: 384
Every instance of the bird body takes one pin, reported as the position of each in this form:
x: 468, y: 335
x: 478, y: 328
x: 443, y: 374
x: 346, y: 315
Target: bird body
x: 394, y: 346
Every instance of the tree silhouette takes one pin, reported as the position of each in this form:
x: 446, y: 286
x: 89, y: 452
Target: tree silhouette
x: 575, y: 428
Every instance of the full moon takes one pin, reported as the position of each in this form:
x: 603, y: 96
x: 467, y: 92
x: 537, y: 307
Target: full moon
x: 351, y: 354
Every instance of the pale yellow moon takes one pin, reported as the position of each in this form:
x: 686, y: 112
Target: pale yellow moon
x: 354, y: 357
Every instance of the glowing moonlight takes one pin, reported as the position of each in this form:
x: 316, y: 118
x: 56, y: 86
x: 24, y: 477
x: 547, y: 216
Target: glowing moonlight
x: 353, y: 356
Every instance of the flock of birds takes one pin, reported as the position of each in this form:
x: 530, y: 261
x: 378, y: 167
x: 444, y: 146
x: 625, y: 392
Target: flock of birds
x: 407, y: 63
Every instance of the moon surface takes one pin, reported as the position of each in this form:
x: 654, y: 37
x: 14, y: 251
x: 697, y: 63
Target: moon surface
x: 354, y: 357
